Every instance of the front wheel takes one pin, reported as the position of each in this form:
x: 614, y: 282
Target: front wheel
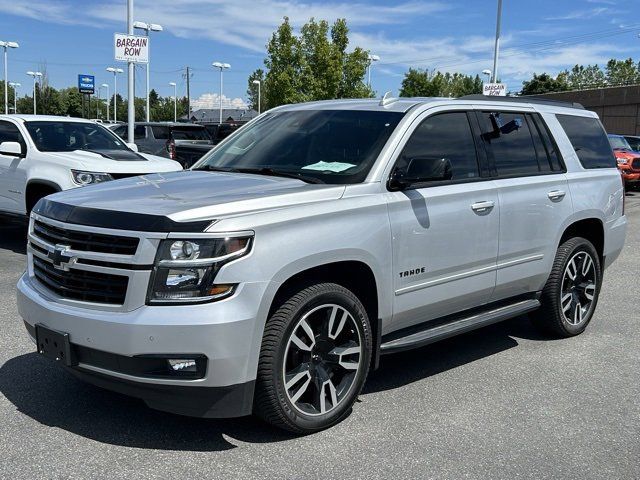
x: 570, y: 296
x: 314, y: 359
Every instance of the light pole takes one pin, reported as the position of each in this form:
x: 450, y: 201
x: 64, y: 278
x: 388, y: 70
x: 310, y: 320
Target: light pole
x: 148, y: 27
x: 257, y: 82
x: 487, y: 72
x: 35, y: 76
x: 15, y: 86
x: 221, y: 66
x: 175, y: 101
x: 7, y: 46
x: 496, y: 48
x: 115, y: 72
x: 371, y: 58
x: 106, y: 85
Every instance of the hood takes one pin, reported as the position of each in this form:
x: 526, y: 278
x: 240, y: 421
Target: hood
x: 129, y: 162
x: 197, y: 195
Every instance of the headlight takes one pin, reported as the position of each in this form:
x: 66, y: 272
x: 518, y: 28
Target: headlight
x: 87, y: 178
x: 185, y: 270
x: 622, y: 161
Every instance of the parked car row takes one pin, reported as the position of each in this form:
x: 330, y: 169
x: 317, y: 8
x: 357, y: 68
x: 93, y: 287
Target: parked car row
x: 627, y: 157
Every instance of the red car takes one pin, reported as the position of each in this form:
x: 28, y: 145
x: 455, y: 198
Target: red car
x: 628, y: 160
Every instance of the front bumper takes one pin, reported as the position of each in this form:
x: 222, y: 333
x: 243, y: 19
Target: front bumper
x: 630, y: 176
x: 226, y: 332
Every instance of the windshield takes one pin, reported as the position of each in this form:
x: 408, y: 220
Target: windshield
x: 181, y: 133
x: 61, y: 136
x: 619, y: 142
x: 331, y: 146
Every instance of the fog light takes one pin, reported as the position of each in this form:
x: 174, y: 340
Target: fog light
x: 182, y: 365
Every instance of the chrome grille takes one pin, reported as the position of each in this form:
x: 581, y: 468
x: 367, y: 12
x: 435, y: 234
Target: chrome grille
x: 85, y: 241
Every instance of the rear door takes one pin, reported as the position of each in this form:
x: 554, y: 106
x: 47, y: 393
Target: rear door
x: 445, y: 233
x: 534, y: 197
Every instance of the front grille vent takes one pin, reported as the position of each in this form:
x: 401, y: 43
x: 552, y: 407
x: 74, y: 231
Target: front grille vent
x: 85, y: 241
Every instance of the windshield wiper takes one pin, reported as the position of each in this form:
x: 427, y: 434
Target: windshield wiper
x: 262, y: 171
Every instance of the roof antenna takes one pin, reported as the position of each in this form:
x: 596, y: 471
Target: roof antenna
x: 387, y: 99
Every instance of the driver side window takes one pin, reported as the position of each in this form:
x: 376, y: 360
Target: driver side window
x: 442, y: 137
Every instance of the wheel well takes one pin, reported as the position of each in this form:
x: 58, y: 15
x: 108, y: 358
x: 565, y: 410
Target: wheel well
x: 353, y: 275
x: 591, y: 229
x: 36, y: 190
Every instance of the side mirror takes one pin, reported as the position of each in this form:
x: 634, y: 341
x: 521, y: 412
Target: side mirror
x: 133, y: 146
x: 12, y: 149
x: 421, y: 170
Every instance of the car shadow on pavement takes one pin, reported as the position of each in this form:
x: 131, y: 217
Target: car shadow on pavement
x: 13, y: 235
x: 448, y: 354
x: 45, y: 392
x: 53, y: 397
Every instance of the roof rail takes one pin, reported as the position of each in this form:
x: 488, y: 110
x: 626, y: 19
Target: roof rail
x: 524, y: 99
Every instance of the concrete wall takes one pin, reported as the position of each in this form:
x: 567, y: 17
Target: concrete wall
x: 617, y: 107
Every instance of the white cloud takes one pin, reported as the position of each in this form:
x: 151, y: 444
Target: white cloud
x: 212, y: 100
x: 584, y: 14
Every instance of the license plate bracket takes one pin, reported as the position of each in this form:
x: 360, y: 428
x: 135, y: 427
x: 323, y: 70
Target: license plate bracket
x: 55, y: 345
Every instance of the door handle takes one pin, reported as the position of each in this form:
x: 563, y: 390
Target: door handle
x: 482, y: 207
x: 556, y: 195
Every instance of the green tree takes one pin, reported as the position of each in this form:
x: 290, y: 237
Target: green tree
x: 10, y: 95
x: 312, y: 66
x: 422, y: 83
x: 581, y: 77
x: 622, y: 72
x: 545, y: 83
x: 252, y: 90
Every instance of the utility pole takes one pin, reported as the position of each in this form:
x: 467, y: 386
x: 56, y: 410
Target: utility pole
x: 131, y: 94
x: 187, y: 77
x: 496, y: 49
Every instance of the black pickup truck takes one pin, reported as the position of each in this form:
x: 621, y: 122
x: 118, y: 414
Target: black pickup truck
x: 183, y: 142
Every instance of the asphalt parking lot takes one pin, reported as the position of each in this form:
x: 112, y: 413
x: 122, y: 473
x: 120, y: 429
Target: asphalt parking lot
x: 501, y: 402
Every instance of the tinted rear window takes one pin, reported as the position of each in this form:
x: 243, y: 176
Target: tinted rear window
x: 182, y: 133
x: 589, y: 140
x: 160, y: 133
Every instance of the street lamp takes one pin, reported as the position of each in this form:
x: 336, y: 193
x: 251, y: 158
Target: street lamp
x: 487, y: 72
x: 221, y: 66
x: 35, y: 75
x: 371, y: 58
x: 7, y: 46
x: 175, y: 101
x: 115, y: 72
x: 15, y: 86
x: 148, y: 27
x: 106, y: 85
x: 257, y: 82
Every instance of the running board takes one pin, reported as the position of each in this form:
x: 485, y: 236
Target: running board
x: 457, y: 326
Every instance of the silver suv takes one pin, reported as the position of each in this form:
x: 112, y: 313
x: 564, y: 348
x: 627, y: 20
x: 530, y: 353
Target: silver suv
x: 273, y: 276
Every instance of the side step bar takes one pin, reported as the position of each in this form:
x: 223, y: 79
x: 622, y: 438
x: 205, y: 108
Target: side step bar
x: 457, y: 326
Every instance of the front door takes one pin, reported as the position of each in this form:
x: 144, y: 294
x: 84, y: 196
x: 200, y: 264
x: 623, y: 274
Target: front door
x: 445, y: 233
x: 12, y: 177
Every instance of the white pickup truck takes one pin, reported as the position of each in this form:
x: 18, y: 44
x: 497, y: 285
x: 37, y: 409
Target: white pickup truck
x: 40, y: 155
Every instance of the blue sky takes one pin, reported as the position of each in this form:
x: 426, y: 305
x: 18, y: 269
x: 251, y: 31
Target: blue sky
x: 72, y: 37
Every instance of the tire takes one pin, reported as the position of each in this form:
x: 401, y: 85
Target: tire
x: 568, y: 304
x: 330, y: 371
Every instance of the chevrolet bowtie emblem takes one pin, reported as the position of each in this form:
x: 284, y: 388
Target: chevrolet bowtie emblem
x: 59, y: 257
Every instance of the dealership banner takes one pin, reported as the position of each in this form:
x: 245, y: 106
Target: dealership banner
x: 131, y: 48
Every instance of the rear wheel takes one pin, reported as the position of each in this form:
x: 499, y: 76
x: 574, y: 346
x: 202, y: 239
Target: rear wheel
x: 571, y: 294
x: 314, y: 359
